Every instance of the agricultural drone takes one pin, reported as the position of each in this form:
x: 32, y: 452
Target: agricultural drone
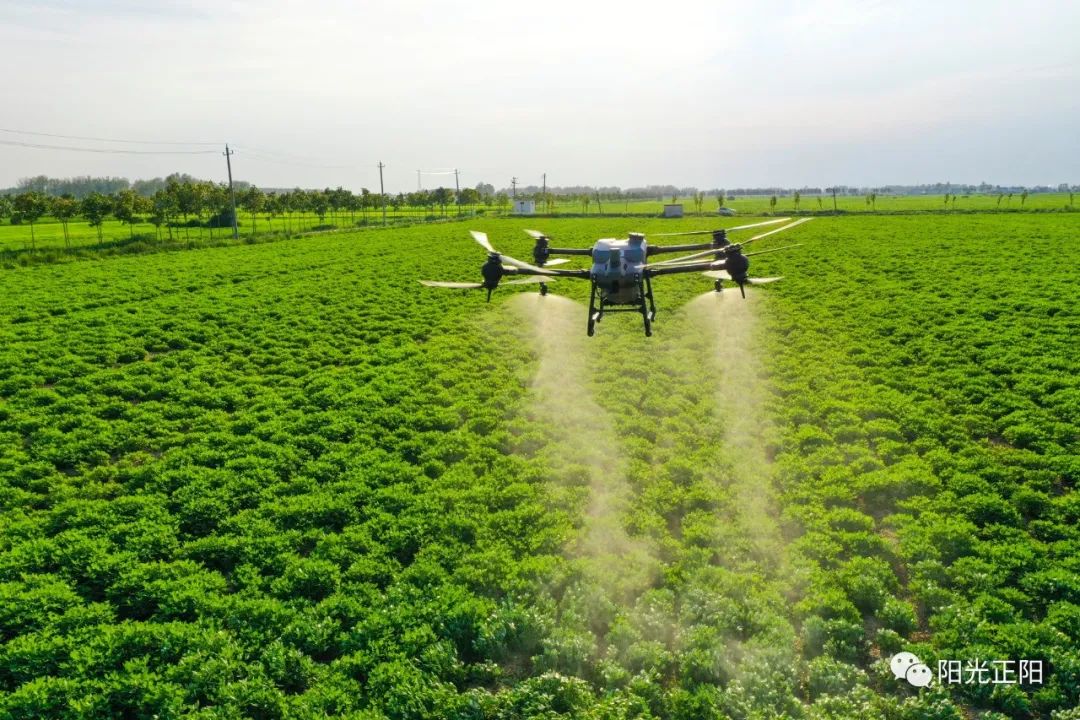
x: 621, y: 273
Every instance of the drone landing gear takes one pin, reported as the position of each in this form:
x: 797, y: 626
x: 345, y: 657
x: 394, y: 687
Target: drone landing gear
x: 719, y: 286
x: 648, y: 313
x: 594, y: 314
x: 645, y: 305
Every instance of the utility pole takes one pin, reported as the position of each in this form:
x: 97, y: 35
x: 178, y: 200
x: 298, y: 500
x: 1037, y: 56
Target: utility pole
x: 382, y: 193
x: 513, y: 185
x: 417, y: 181
x: 457, y: 191
x: 232, y: 195
x: 543, y: 195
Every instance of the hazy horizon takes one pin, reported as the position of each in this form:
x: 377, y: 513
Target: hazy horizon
x: 714, y: 95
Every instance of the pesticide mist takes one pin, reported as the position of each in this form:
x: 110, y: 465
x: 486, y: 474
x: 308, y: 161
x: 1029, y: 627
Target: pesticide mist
x: 584, y: 448
x: 729, y: 322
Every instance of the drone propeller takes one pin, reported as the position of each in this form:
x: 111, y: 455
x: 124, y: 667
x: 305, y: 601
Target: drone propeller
x: 535, y: 234
x: 800, y: 221
x: 453, y: 285
x: 771, y: 250
x: 557, y: 261
x: 710, y: 232
x: 477, y: 286
x: 735, y: 246
x: 723, y: 275
x: 482, y: 239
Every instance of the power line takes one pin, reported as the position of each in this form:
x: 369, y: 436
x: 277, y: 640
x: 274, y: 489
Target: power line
x: 106, y: 151
x: 265, y: 156
x: 84, y: 137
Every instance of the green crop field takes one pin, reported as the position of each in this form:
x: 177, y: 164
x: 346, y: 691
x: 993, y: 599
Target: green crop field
x: 284, y: 480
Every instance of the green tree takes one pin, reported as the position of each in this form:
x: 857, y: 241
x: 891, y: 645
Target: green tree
x: 772, y: 203
x: 469, y: 196
x: 218, y: 206
x: 1023, y: 198
x: 274, y: 208
x: 64, y: 208
x: 442, y: 197
x: 187, y: 202
x: 253, y: 199
x: 319, y: 204
x: 290, y: 203
x: 95, y: 208
x: 124, y: 209
x: 164, y: 204
x: 30, y: 206
x: 699, y: 201
x: 355, y: 202
x: 798, y: 197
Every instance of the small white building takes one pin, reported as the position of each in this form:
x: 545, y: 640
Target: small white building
x: 673, y: 211
x: 524, y: 207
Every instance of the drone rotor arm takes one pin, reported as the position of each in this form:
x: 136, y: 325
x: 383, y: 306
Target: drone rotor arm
x: 570, y: 251
x: 653, y: 271
x: 660, y: 249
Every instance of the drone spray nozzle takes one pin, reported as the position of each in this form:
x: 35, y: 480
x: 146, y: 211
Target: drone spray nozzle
x: 720, y: 239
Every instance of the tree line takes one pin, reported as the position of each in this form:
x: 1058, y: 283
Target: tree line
x: 185, y: 203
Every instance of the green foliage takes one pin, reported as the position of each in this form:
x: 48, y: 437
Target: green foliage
x: 279, y: 481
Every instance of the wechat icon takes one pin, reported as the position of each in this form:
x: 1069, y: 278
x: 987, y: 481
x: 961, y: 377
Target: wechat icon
x: 909, y: 667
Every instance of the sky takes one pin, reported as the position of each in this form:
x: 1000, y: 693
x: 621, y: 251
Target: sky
x: 707, y: 94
